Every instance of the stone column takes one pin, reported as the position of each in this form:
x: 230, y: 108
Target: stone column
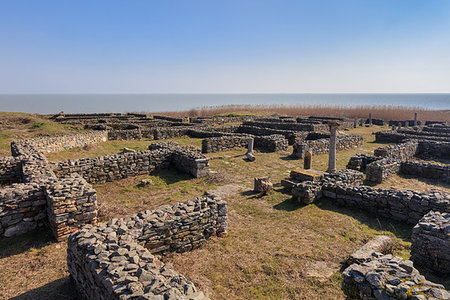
x: 249, y: 154
x: 355, y: 123
x: 415, y: 119
x: 332, y: 152
x: 370, y: 119
x: 307, y: 161
x: 250, y: 145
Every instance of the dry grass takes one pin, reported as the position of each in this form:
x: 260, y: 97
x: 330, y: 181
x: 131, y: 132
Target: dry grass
x: 384, y: 112
x: 22, y: 125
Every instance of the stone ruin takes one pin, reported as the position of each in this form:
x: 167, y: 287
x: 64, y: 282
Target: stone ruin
x: 115, y: 259
x: 59, y: 194
x: 371, y: 274
x: 374, y: 275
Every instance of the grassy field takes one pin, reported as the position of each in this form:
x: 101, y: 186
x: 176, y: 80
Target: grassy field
x: 275, y: 248
x: 15, y: 126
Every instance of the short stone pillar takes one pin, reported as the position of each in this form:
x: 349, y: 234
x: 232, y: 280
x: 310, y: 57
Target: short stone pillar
x: 251, y: 141
x: 249, y: 154
x: 263, y: 185
x: 415, y: 119
x: 370, y: 119
x: 355, y: 123
x: 332, y: 153
x: 307, y: 161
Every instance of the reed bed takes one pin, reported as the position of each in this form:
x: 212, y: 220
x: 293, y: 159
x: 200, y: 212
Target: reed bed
x: 385, y: 112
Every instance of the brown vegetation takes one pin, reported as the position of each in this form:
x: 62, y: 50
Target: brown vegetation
x: 384, y: 112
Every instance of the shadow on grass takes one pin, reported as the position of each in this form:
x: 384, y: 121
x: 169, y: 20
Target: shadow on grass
x: 62, y: 288
x: 288, y: 204
x: 401, y: 230
x: 430, y: 181
x: 290, y: 157
x: 19, y: 244
x: 171, y: 175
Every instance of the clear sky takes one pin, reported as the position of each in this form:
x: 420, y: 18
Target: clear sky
x: 190, y: 46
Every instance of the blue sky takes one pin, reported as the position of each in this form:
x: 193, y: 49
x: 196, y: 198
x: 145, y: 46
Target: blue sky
x: 224, y: 46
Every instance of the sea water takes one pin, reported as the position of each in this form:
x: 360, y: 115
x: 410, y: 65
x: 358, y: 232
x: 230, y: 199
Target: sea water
x: 91, y: 103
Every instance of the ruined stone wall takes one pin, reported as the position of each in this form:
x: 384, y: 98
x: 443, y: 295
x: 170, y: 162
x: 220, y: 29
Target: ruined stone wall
x: 380, y: 170
x: 401, y: 151
x: 22, y: 208
x: 322, y: 146
x: 172, y: 119
x: 392, y: 136
x: 425, y: 134
x: 188, y: 159
x: 114, y: 167
x: 10, y: 169
x: 71, y: 203
x: 126, y: 134
x: 288, y: 126
x: 291, y: 135
x: 123, y: 165
x: 432, y: 149
x: 439, y: 129
x: 102, y: 259
x: 47, y: 144
x: 430, y: 247
x: 426, y: 170
x: 360, y: 161
x: 216, y: 144
x: 409, y: 206
x: 161, y: 133
x: 271, y: 143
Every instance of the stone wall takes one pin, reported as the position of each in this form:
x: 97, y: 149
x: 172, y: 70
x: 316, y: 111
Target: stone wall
x: 10, y: 169
x: 216, y: 144
x: 426, y: 170
x: 430, y: 247
x: 360, y: 161
x: 22, y: 208
x: 401, y: 151
x: 271, y: 143
x: 425, y: 134
x: 127, y: 134
x: 380, y: 170
x: 409, y: 206
x: 288, y: 126
x: 433, y: 150
x: 71, y: 203
x: 392, y: 136
x: 123, y: 165
x: 47, y: 144
x: 322, y: 146
x: 439, y: 129
x: 115, y: 261
x: 291, y: 135
x: 172, y: 119
x: 188, y: 159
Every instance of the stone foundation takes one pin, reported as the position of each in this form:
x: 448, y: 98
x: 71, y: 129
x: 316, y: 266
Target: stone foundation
x: 115, y: 261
